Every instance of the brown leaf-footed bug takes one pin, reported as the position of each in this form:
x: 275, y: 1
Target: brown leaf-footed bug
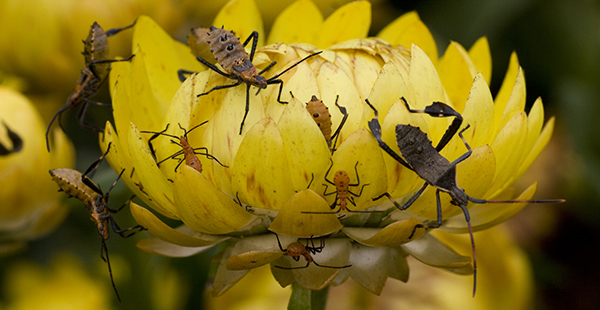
x: 421, y: 157
x: 81, y: 187
x: 238, y: 66
x: 97, y: 67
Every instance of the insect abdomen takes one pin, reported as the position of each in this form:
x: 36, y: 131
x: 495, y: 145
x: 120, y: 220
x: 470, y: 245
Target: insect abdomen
x: 69, y: 181
x: 226, y: 48
x: 320, y: 113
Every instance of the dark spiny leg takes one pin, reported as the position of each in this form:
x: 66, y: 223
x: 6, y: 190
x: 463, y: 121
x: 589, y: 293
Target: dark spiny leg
x: 413, y: 198
x: 376, y: 131
x: 247, y: 107
x: 254, y: 35
x: 103, y: 253
x: 112, y: 32
x: 182, y: 72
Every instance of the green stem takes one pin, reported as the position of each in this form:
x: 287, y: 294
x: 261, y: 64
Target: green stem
x: 305, y: 299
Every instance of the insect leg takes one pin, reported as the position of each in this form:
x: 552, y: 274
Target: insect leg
x: 386, y: 194
x: 112, y: 32
x: 181, y: 74
x: 96, y: 163
x: 247, y: 106
x: 220, y: 87
x: 469, y: 150
x: 154, y: 136
x: 103, y: 253
x: 279, y: 243
x: 267, y: 68
x: 292, y: 66
x: 254, y: 35
x: 214, y: 68
x: 337, y: 131
x: 81, y: 118
x: 113, y: 185
x: 414, y: 197
x: 440, y: 109
x: 376, y: 131
x: 52, y: 121
x: 122, y: 232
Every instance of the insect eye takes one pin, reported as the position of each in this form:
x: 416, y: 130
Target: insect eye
x: 230, y: 47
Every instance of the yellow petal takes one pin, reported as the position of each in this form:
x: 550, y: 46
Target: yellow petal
x: 302, y: 84
x: 370, y: 267
x: 481, y: 57
x: 157, y: 186
x: 425, y: 81
x: 306, y: 149
x: 355, y: 18
x: 264, y: 183
x: 252, y: 252
x: 227, y: 122
x: 119, y: 159
x: 160, y: 59
x: 430, y: 251
x: 457, y: 71
x: 158, y: 247
x: 144, y: 108
x: 509, y: 152
x: 333, y: 82
x: 388, y: 88
x: 335, y: 253
x: 208, y: 210
x: 360, y: 157
x: 407, y: 30
x: 506, y: 89
x: 302, y: 12
x: 479, y: 113
x: 162, y: 231
x: 539, y: 145
x: 516, y: 101
x: 225, y: 278
x: 399, y: 269
x: 242, y: 17
x: 392, y: 235
x: 290, y: 220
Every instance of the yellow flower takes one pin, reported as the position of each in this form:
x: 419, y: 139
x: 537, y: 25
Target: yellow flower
x: 30, y: 206
x: 262, y: 190
x: 65, y: 285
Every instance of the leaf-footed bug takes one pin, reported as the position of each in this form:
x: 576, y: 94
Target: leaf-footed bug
x: 97, y: 67
x: 238, y: 66
x: 82, y: 188
x: 421, y: 157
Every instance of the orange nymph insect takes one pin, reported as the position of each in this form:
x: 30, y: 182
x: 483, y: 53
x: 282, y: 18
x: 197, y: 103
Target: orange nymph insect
x: 320, y: 113
x: 81, y: 187
x: 96, y: 69
x: 297, y: 249
x: 232, y: 57
x: 189, y: 154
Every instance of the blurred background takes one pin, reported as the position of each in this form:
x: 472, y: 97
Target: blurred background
x: 558, y: 45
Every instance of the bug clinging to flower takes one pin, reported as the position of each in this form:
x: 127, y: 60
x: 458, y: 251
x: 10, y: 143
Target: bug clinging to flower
x: 94, y: 73
x: 189, y: 153
x: 232, y: 57
x: 297, y: 249
x: 82, y: 188
x: 426, y: 161
x: 320, y: 114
